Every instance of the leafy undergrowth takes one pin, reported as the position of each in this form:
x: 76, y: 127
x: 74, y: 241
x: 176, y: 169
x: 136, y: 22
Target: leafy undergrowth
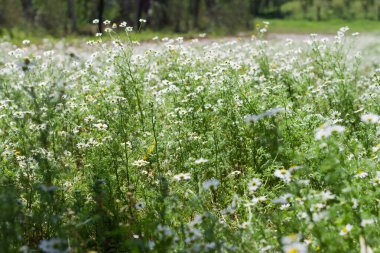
x: 325, y: 27
x: 248, y: 146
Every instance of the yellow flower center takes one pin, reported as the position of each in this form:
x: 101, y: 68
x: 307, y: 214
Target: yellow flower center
x: 292, y: 250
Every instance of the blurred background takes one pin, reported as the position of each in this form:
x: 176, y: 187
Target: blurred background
x: 23, y: 18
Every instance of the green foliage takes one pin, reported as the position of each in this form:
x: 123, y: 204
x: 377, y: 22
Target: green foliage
x: 237, y: 146
x: 300, y: 26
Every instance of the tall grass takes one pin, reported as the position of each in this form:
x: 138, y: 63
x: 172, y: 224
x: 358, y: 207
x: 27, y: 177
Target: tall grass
x: 249, y: 146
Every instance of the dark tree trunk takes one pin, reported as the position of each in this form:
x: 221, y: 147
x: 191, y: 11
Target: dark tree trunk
x: 195, y: 12
x: 140, y: 4
x: 100, y: 14
x: 123, y: 4
x: 126, y: 8
x: 163, y: 13
x: 304, y: 8
x: 177, y: 27
x: 347, y: 3
x: 319, y: 13
x: 72, y: 15
x: 210, y: 5
x: 366, y: 8
x: 211, y: 10
x: 2, y: 13
x: 255, y: 7
x: 27, y: 8
x: 142, y: 8
x: 278, y: 9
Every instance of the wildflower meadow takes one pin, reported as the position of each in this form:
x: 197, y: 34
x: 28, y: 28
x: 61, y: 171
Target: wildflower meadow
x: 236, y: 145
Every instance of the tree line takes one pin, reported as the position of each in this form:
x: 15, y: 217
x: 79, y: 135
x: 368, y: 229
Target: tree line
x: 74, y: 16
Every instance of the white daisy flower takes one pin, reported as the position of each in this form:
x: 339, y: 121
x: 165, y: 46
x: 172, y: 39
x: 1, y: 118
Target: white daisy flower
x: 211, y: 183
x: 361, y: 174
x: 283, y: 174
x: 326, y: 130
x: 101, y: 126
x: 254, y: 184
x: 140, y: 163
x: 140, y: 205
x: 370, y: 118
x: 182, y: 176
x: 296, y: 247
x: 55, y: 245
x: 345, y: 230
x: 376, y: 180
x: 200, y: 161
x: 366, y: 222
